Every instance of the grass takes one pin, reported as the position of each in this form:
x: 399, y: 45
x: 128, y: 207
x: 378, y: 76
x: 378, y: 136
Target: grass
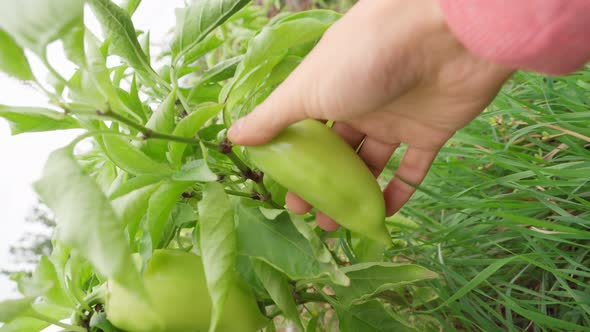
x: 505, y: 213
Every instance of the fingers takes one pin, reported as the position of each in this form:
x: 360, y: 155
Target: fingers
x: 296, y: 204
x: 326, y: 85
x: 299, y: 206
x: 326, y: 223
x: 350, y: 135
x: 282, y: 108
x: 413, y: 169
x: 376, y: 154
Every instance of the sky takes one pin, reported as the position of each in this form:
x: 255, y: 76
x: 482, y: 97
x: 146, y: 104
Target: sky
x: 23, y: 156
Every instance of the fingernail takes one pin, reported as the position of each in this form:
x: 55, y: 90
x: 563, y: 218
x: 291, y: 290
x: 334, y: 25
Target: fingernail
x: 235, y: 129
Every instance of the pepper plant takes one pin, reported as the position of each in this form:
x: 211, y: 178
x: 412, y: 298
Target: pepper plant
x: 163, y: 224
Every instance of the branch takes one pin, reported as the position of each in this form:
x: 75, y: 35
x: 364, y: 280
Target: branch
x: 309, y: 297
x: 68, y: 327
x: 225, y: 147
x: 147, y: 132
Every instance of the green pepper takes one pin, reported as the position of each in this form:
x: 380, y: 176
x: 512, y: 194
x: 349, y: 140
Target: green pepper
x: 179, y: 299
x: 312, y: 161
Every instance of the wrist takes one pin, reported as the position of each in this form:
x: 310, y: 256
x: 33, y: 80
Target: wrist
x: 441, y: 45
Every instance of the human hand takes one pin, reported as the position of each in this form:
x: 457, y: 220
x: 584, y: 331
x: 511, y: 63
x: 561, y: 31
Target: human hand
x: 389, y: 72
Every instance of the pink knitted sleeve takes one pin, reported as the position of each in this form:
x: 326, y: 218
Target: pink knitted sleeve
x: 549, y: 36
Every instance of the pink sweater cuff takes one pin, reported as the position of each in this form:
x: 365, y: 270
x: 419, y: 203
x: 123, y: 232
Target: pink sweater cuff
x: 549, y: 36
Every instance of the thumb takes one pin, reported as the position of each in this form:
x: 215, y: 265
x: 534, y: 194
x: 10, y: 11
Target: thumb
x: 282, y: 108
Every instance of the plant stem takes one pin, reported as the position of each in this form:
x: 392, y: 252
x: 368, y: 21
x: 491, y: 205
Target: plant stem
x: 151, y: 134
x: 179, y: 95
x: 267, y: 197
x: 239, y: 163
x: 346, y: 247
x: 238, y: 193
x: 51, y: 69
x: 273, y: 315
x: 97, y: 295
x: 35, y: 314
x: 225, y: 147
x: 53, y: 96
x: 147, y: 132
x: 311, y: 297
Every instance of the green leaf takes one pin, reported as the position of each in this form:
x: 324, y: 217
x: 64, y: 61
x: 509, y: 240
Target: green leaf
x: 129, y: 158
x: 34, y: 23
x: 45, y: 273
x: 160, y: 206
x: 400, y: 223
x: 279, y: 289
x: 318, y: 247
x: 246, y: 271
x: 271, y: 327
x: 184, y: 214
x: 118, y: 74
x: 245, y: 85
x: 99, y: 321
x: 367, y: 317
x: 221, y: 71
x: 30, y: 324
x: 33, y: 119
x: 130, y: 6
x: 56, y: 81
x: 144, y: 40
x: 521, y: 220
x: 24, y: 324
x: 77, y: 271
x: 277, y: 192
x: 52, y: 310
x: 27, y: 286
x: 218, y: 246
x: 542, y: 319
x: 73, y: 43
x: 74, y: 197
x: 206, y: 93
x: 135, y: 103
x: 478, y: 279
x: 132, y: 184
x: 195, y: 22
x: 162, y: 121
x: 12, y: 58
x: 121, y: 177
x: 83, y: 89
x: 100, y: 75
x: 132, y: 103
x: 11, y: 309
x: 59, y: 257
x: 208, y: 44
x: 196, y: 171
x: 368, y: 279
x: 104, y: 174
x: 423, y: 295
x: 312, y: 324
x: 188, y: 127
x: 258, y: 84
x: 132, y: 206
x: 280, y: 244
x: 117, y: 24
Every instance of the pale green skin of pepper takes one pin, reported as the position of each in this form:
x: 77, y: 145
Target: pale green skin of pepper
x: 180, y: 302
x: 312, y: 161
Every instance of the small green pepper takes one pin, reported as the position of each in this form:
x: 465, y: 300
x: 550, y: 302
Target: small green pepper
x: 312, y: 161
x: 175, y: 282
